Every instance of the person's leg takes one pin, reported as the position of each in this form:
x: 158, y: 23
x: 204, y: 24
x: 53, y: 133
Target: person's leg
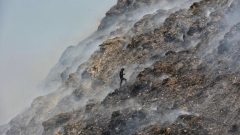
x: 121, y: 82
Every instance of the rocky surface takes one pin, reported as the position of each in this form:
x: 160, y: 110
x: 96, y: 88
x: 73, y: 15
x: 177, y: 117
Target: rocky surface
x: 182, y: 65
x: 3, y: 129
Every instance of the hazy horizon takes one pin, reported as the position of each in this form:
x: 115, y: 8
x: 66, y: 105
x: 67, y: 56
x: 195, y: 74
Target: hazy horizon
x: 33, y: 35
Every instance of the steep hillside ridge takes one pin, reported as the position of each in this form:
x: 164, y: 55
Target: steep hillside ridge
x: 181, y: 61
x: 117, y: 22
x: 65, y: 99
x: 189, y: 88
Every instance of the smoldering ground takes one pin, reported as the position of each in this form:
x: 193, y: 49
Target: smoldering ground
x: 72, y: 58
x: 64, y: 99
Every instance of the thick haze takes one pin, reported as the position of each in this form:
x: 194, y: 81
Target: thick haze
x: 33, y: 35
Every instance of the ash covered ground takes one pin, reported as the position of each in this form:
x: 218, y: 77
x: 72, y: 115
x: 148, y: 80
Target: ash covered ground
x: 182, y: 64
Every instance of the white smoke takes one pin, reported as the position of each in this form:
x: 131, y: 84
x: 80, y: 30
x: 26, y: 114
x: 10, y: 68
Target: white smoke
x: 21, y: 72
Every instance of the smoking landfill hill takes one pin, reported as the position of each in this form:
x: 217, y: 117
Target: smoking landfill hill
x: 182, y: 63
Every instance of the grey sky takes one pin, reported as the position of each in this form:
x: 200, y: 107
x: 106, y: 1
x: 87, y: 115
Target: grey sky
x: 33, y: 35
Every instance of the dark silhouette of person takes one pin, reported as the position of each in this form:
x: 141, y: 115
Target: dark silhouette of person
x: 121, y: 77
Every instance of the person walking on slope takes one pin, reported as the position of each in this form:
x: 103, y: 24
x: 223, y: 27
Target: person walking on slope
x: 121, y: 77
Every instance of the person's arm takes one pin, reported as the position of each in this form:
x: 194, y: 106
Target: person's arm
x: 121, y: 73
